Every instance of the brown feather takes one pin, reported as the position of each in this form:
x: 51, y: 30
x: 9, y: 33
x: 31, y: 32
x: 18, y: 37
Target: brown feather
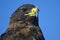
x: 21, y: 27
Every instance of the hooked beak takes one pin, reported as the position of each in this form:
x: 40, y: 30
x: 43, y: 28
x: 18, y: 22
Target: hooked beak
x: 33, y: 12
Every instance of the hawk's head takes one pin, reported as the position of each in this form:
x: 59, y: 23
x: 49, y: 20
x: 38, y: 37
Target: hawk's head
x: 29, y: 10
x: 25, y: 12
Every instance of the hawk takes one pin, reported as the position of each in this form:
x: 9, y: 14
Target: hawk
x: 23, y: 24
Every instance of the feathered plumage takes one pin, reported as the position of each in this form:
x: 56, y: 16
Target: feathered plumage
x: 23, y: 25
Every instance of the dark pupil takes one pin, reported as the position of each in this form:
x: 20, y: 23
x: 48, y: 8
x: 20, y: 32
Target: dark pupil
x: 24, y: 10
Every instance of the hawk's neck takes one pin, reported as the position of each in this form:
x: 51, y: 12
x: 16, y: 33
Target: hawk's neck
x: 33, y: 20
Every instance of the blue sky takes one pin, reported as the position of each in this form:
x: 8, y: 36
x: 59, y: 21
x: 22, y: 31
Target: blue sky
x: 49, y: 15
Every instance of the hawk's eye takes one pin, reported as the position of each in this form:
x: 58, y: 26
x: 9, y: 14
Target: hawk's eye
x: 24, y: 10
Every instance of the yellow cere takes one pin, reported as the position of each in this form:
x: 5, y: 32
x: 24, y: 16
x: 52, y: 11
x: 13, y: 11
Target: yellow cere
x: 32, y: 12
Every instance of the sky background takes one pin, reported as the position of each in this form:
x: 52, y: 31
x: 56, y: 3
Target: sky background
x: 49, y: 15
